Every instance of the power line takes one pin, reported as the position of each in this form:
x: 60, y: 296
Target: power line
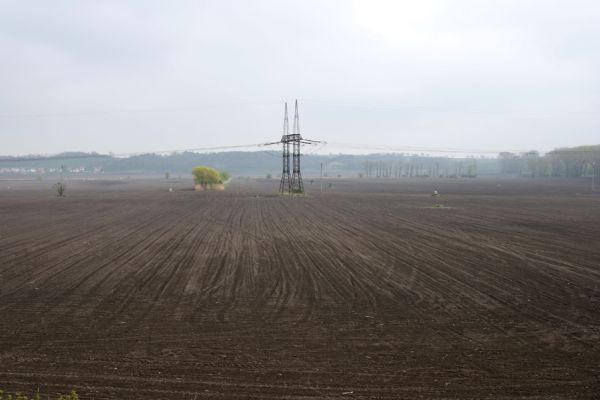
x: 195, y: 150
x: 420, y: 149
x: 362, y: 147
x: 125, y: 155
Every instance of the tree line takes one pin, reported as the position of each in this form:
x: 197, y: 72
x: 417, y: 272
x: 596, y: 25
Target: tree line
x: 563, y: 162
x: 421, y: 167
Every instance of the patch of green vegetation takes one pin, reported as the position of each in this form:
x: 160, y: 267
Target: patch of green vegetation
x: 293, y: 194
x: 225, y: 176
x: 206, y: 176
x: 439, y: 206
x: 20, y: 396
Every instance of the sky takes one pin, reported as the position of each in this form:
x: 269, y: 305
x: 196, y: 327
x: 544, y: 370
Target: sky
x: 137, y: 76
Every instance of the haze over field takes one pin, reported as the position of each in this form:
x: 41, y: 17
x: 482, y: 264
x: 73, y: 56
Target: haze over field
x: 140, y: 76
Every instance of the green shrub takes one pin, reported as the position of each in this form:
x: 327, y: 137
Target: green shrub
x: 19, y: 396
x: 206, y: 176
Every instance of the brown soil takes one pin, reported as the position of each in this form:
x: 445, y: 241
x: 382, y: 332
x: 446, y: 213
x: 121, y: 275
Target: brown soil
x: 364, y: 291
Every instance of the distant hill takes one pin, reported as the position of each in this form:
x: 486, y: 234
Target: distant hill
x: 244, y: 163
x: 566, y: 162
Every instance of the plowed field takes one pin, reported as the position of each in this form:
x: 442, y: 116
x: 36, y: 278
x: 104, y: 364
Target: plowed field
x: 365, y: 291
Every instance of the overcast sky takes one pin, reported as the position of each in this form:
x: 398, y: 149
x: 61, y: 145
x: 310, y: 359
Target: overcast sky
x: 131, y: 76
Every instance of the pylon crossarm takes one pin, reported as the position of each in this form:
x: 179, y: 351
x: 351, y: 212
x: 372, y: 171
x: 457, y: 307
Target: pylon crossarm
x: 308, y: 141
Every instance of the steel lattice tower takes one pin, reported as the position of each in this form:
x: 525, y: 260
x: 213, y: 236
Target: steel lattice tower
x: 285, y: 186
x: 297, y: 186
x: 293, y: 184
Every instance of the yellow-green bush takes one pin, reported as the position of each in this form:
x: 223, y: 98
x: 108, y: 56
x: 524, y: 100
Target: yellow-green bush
x: 206, y: 176
x: 20, y: 396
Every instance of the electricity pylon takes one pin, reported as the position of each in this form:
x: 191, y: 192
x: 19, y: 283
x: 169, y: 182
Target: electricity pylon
x: 294, y: 184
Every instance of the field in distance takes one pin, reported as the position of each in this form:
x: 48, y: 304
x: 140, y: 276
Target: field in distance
x: 368, y: 289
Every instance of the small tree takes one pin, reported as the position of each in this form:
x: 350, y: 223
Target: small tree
x: 206, y: 176
x: 60, y: 188
x: 224, y: 176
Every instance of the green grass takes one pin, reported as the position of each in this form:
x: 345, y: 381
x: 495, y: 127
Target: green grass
x: 293, y: 194
x: 20, y: 396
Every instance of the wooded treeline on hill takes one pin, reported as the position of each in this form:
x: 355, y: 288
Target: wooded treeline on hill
x: 567, y: 162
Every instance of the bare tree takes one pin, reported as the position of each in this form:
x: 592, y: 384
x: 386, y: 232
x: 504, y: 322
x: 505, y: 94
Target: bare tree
x: 60, y: 188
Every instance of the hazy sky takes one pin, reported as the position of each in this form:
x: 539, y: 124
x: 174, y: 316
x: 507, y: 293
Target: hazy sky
x: 129, y: 76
